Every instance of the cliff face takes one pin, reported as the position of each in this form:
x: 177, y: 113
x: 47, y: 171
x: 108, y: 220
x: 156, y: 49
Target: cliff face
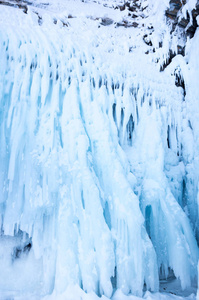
x: 188, y: 21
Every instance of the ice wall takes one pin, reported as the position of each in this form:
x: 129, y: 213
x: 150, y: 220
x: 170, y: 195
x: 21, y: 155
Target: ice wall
x: 94, y: 153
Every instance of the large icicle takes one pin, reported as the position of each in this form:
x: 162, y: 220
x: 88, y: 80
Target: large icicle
x: 65, y: 183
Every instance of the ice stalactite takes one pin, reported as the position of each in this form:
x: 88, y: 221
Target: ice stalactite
x: 159, y: 172
x: 80, y: 212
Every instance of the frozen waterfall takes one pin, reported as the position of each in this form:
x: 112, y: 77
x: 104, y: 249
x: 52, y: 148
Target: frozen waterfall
x: 98, y: 163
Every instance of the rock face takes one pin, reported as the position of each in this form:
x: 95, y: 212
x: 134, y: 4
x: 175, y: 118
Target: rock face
x: 19, y: 4
x: 130, y: 5
x: 173, y: 13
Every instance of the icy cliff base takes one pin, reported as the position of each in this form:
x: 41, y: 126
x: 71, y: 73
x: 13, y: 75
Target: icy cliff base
x: 99, y: 156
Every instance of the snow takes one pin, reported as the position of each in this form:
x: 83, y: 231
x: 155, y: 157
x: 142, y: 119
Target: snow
x: 99, y: 155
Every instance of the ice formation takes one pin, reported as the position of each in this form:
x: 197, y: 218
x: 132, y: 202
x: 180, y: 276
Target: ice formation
x: 99, y: 159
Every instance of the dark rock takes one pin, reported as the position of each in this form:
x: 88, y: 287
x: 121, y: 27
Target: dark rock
x: 181, y: 50
x: 122, y: 7
x: 16, y: 4
x: 173, y: 14
x: 168, y: 61
x: 127, y: 24
x: 64, y: 24
x: 106, y: 21
x: 135, y: 24
x: 130, y: 5
x: 147, y: 40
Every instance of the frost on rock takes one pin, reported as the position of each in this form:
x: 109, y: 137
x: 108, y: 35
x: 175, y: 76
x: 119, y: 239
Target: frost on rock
x: 98, y: 179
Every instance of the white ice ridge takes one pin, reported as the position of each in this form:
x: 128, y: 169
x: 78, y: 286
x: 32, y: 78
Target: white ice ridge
x: 96, y: 151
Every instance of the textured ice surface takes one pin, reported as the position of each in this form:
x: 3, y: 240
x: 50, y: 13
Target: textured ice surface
x: 99, y: 156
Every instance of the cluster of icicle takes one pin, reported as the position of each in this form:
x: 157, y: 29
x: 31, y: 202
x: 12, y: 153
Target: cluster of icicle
x: 92, y: 169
